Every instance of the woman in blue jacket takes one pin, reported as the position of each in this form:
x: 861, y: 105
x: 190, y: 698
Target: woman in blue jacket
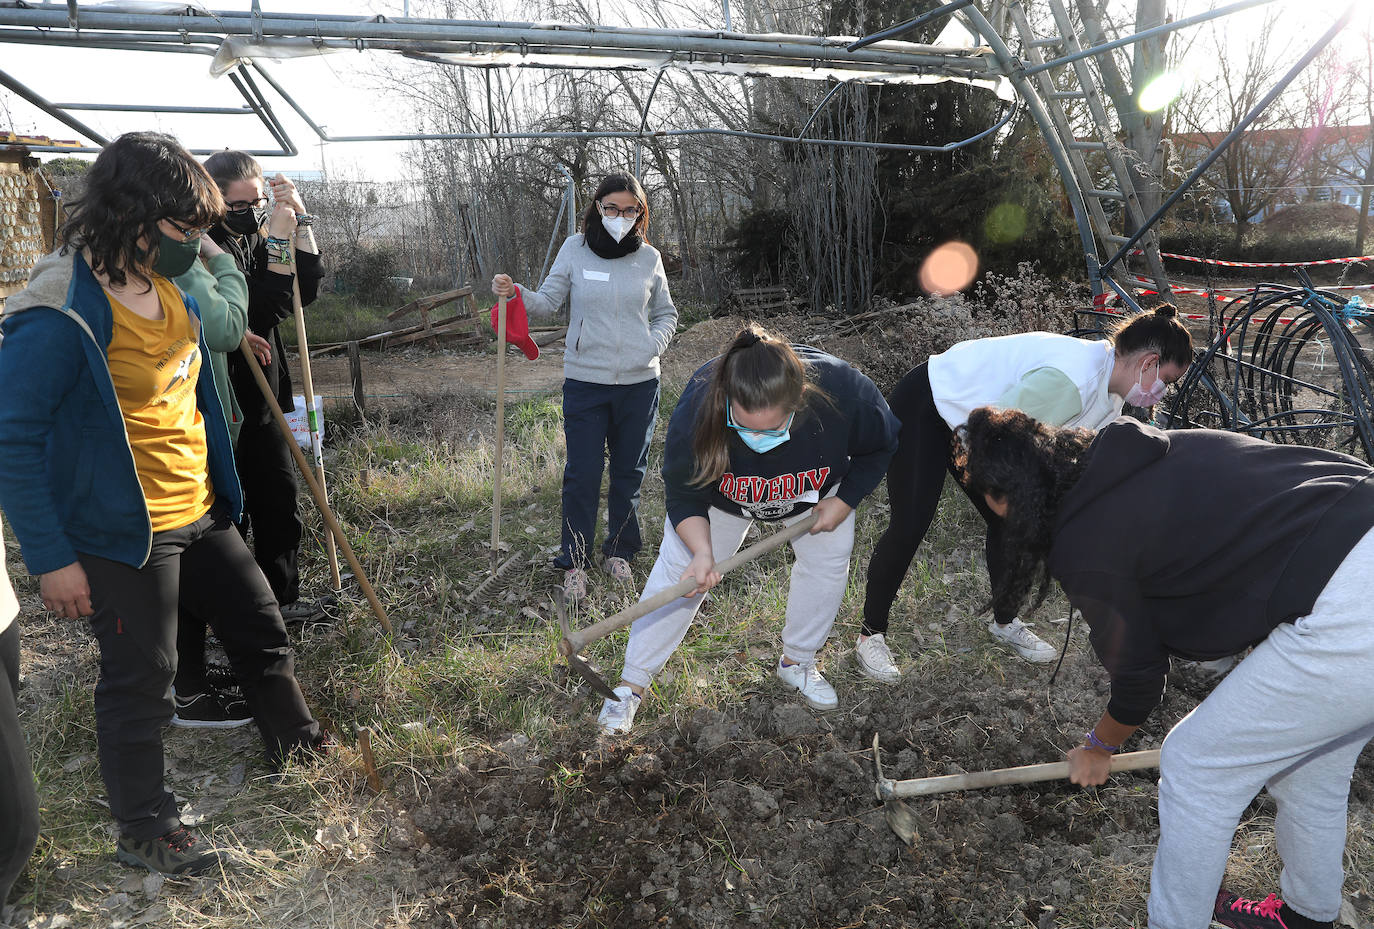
x: 620, y: 319
x: 117, y: 476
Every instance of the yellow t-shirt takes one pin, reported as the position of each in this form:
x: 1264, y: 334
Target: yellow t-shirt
x: 154, y: 364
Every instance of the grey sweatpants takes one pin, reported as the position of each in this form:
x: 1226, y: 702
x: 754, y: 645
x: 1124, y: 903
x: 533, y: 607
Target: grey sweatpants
x: 1292, y: 718
x: 819, y: 578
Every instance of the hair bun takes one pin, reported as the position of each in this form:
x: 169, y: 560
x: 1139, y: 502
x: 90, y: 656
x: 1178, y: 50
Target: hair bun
x: 1167, y: 310
x: 747, y: 337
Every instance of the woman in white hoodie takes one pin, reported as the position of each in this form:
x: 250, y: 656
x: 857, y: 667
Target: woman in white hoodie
x: 1056, y: 379
x: 621, y: 318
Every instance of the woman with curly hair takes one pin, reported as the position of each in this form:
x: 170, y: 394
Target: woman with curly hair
x: 766, y: 431
x: 1057, y: 379
x: 117, y: 476
x: 1201, y: 544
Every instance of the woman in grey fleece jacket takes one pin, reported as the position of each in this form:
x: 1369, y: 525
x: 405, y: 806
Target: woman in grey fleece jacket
x: 621, y: 317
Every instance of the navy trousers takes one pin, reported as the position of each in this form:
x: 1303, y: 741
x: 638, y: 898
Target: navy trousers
x: 600, y: 422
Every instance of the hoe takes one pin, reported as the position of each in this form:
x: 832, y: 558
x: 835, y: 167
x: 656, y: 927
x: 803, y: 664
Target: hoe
x: 575, y: 640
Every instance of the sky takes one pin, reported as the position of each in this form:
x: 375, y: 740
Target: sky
x: 341, y: 93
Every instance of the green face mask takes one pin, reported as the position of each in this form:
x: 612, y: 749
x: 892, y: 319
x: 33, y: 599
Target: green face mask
x: 175, y: 258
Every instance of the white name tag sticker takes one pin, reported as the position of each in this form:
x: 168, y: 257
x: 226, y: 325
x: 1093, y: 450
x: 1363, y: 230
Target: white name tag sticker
x: 595, y: 275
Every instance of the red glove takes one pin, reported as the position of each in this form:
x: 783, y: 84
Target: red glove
x: 517, y: 325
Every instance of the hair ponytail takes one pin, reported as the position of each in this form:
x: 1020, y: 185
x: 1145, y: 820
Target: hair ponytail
x: 1159, y: 331
x: 757, y: 371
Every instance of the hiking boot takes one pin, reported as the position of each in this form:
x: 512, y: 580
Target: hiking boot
x: 806, y: 680
x: 619, y: 570
x: 176, y: 852
x: 575, y: 585
x: 617, y: 717
x: 875, y: 660
x: 1018, y: 636
x: 1270, y: 913
x: 210, y: 709
x: 302, y: 611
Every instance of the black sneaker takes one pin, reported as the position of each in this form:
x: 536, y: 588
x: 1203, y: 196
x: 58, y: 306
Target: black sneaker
x: 1270, y: 913
x: 302, y: 611
x: 177, y: 852
x: 210, y: 710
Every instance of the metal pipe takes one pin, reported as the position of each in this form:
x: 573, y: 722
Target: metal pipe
x: 1026, y: 88
x: 1147, y: 34
x: 284, y: 143
x: 1270, y: 97
x: 518, y: 35
x: 909, y: 25
x: 51, y: 109
x: 268, y: 113
x: 817, y: 111
x: 134, y: 108
x: 644, y: 122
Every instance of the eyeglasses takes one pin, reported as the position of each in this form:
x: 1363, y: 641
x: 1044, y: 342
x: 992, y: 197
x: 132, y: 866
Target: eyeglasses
x: 771, y: 433
x: 187, y: 235
x: 243, y: 206
x: 611, y: 210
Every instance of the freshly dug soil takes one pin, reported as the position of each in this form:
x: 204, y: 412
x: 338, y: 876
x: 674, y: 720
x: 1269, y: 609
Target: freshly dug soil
x: 764, y: 814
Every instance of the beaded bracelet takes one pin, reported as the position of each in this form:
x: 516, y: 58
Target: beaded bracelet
x: 278, y: 250
x: 1095, y: 742
x: 305, y: 219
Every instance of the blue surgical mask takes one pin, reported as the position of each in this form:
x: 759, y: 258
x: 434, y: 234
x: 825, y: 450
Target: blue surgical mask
x: 760, y: 441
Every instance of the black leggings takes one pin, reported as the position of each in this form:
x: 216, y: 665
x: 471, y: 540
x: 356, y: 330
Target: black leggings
x: 915, y: 479
x: 206, y: 568
x: 18, y: 802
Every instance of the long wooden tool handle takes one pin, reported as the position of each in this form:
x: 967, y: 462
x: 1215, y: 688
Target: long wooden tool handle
x: 311, y: 417
x: 1027, y: 774
x: 579, y: 639
x: 500, y: 430
x: 316, y: 490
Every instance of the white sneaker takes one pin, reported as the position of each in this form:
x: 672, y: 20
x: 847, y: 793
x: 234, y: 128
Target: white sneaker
x: 1018, y: 635
x: 1215, y: 669
x: 875, y: 660
x: 807, y: 681
x: 618, y: 716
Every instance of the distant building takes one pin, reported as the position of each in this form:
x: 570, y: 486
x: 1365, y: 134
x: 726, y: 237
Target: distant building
x: 1330, y: 157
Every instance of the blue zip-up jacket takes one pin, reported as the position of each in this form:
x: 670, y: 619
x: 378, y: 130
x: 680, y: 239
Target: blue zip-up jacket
x: 67, y: 478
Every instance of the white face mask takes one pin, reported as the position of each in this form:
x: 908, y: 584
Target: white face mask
x: 617, y: 226
x: 1142, y: 396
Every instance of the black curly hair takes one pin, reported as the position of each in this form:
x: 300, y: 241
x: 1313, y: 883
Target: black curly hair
x: 137, y: 180
x: 1031, y: 466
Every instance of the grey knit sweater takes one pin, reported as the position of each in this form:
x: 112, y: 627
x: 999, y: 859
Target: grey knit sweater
x: 621, y: 316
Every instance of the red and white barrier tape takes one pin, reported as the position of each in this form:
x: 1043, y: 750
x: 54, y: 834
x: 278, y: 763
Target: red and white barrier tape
x: 1216, y: 262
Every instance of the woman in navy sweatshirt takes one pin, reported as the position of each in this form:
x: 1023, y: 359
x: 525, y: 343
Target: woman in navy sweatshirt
x: 1201, y: 544
x: 766, y: 431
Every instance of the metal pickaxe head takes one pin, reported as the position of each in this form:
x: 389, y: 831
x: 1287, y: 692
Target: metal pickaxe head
x: 575, y: 662
x: 901, y: 819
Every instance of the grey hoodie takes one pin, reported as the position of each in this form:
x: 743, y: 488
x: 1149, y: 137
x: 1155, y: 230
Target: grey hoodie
x: 621, y: 316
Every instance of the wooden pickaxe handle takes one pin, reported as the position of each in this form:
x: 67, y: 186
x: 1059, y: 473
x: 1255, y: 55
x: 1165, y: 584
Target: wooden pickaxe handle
x: 578, y: 640
x: 1026, y: 774
x: 316, y: 490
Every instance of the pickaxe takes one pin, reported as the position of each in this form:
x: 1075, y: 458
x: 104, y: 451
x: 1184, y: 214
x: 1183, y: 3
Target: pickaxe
x: 903, y: 821
x: 574, y: 641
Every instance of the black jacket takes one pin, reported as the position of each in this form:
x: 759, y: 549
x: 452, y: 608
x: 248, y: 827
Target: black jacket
x: 1198, y: 543
x: 269, y: 302
x: 846, y: 440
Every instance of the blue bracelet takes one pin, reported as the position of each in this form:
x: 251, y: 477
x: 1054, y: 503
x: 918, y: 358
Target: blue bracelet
x: 1095, y: 742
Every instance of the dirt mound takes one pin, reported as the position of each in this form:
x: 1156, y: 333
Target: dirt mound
x: 1310, y: 218
x: 764, y: 814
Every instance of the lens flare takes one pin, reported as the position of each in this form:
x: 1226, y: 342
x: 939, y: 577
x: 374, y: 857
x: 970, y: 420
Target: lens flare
x: 1006, y: 222
x: 949, y: 269
x: 1163, y: 90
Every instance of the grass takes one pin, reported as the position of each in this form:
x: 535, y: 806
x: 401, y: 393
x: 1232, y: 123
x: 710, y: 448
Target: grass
x: 336, y: 318
x: 413, y: 491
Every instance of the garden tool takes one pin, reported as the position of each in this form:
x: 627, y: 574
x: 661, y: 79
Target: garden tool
x: 903, y: 820
x: 316, y: 489
x: 574, y: 641
x: 499, y: 462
